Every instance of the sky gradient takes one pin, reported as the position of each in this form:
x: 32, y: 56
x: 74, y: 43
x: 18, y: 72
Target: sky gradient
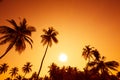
x: 79, y: 23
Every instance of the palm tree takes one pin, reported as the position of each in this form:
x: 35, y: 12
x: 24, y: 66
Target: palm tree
x: 16, y: 35
x: 48, y: 37
x: 54, y: 71
x: 103, y: 67
x: 3, y: 68
x: 27, y: 68
x: 14, y: 71
x: 87, y: 52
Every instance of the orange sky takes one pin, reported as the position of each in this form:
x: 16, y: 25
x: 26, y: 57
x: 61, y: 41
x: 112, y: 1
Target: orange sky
x: 79, y: 23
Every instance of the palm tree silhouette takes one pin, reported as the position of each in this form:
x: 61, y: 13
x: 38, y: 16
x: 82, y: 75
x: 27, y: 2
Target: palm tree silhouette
x: 48, y: 37
x: 103, y: 67
x: 54, y: 71
x: 13, y: 72
x: 16, y: 35
x: 87, y: 52
x: 27, y: 68
x: 3, y: 68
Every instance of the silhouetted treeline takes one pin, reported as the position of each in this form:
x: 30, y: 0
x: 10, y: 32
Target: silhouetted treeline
x: 64, y: 73
x: 96, y: 69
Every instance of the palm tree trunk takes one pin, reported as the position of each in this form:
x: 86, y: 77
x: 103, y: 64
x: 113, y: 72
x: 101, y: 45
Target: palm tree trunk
x: 24, y: 75
x: 42, y: 60
x: 9, y: 47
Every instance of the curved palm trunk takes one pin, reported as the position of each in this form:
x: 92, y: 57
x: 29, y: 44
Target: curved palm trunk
x: 42, y: 61
x: 7, y: 50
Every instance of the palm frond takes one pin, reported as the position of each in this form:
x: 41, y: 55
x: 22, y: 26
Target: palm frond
x: 12, y: 21
x: 45, y: 39
x: 96, y: 54
x: 6, y: 39
x: 6, y: 30
x: 50, y: 42
x: 20, y: 45
x: 8, y: 48
x: 23, y: 24
x: 92, y: 63
x: 54, y: 39
x: 14, y: 71
x: 55, y: 33
x: 29, y: 40
x: 31, y: 29
x: 45, y: 31
x: 112, y: 65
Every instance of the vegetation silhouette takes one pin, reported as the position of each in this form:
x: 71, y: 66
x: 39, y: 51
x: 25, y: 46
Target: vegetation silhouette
x: 48, y: 37
x: 87, y: 52
x: 99, y: 66
x: 27, y: 68
x: 16, y: 35
x: 14, y: 72
x: 96, y: 68
x: 3, y: 68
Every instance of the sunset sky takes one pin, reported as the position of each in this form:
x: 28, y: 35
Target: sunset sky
x: 79, y: 23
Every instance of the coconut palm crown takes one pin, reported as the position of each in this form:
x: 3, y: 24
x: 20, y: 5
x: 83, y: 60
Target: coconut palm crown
x: 27, y: 68
x: 49, y: 36
x: 16, y: 35
x: 3, y: 68
x: 14, y: 71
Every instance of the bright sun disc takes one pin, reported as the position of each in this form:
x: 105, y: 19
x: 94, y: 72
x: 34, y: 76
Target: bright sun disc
x: 63, y: 57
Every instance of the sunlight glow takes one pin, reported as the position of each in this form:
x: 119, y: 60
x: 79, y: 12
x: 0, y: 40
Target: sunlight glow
x: 63, y: 57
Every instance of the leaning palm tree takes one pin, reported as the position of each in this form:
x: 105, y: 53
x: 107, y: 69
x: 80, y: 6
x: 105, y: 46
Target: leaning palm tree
x: 27, y: 68
x: 3, y: 68
x: 13, y: 72
x: 48, y: 37
x: 16, y: 35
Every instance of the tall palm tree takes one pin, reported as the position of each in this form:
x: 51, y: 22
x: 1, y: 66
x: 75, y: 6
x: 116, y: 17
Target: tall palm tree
x: 16, y: 35
x: 14, y: 71
x: 3, y: 68
x: 27, y: 68
x: 48, y: 37
x: 87, y: 52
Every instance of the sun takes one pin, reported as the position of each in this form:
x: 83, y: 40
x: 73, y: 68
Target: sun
x: 63, y: 57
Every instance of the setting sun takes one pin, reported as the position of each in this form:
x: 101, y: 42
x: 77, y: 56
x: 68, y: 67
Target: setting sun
x: 63, y: 57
